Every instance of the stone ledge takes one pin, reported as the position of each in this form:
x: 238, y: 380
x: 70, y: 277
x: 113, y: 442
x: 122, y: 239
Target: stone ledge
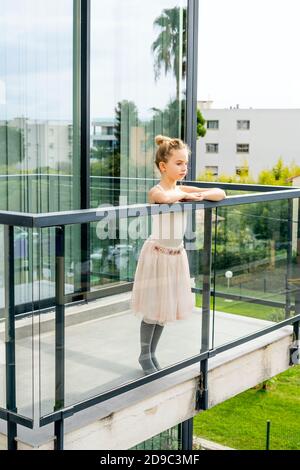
x: 155, y: 407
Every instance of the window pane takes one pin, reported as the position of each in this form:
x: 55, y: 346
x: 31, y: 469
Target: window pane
x: 242, y: 148
x: 243, y: 124
x: 138, y: 71
x: 212, y: 124
x: 212, y: 148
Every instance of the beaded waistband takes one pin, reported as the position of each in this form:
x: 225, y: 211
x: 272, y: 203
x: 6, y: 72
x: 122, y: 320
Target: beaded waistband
x: 165, y: 249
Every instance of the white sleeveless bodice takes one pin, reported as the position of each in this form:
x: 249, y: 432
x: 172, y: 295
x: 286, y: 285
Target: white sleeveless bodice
x: 168, y: 229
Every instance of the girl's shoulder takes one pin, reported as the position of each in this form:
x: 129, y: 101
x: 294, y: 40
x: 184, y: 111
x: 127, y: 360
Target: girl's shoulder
x: 161, y: 188
x: 155, y: 190
x: 152, y: 191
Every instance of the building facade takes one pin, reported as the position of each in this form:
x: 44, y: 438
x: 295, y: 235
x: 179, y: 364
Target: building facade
x: 237, y: 139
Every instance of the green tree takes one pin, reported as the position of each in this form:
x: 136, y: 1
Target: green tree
x: 167, y: 45
x: 279, y: 174
x: 201, y: 129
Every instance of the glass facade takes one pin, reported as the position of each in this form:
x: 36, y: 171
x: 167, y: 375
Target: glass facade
x: 138, y: 72
x: 138, y: 89
x: 36, y: 106
x: 39, y: 123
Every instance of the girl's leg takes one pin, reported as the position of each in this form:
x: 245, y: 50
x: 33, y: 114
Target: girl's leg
x: 146, y: 334
x: 155, y: 338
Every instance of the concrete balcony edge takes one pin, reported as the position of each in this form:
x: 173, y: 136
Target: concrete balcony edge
x: 135, y: 416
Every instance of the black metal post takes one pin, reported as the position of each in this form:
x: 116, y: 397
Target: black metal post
x: 10, y: 347
x: 296, y: 267
x: 296, y: 331
x: 85, y: 140
x: 297, y: 286
x: 191, y: 83
x: 207, y: 261
x: 268, y: 435
x: 202, y: 392
x: 187, y: 434
x: 289, y: 258
x: 191, y: 111
x: 59, y: 333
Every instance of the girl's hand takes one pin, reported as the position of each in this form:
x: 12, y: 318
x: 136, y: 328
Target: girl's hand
x: 192, y: 196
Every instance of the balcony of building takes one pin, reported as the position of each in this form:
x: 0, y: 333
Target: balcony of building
x: 69, y: 343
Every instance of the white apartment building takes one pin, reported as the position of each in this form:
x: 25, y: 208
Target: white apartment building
x: 102, y: 133
x: 41, y: 143
x: 257, y: 138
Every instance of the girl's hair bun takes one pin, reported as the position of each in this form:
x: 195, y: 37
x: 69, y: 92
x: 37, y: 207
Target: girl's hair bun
x: 161, y: 139
x: 166, y: 146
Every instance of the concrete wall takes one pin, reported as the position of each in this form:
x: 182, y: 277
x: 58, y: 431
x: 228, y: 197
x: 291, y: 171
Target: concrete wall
x: 273, y: 133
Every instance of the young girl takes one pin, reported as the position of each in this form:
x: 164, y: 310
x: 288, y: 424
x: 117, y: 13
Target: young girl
x: 162, y: 288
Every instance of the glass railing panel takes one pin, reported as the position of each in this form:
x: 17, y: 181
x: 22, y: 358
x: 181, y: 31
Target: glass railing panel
x: 2, y: 323
x: 18, y: 284
x: 102, y: 338
x: 255, y: 257
x: 202, y: 274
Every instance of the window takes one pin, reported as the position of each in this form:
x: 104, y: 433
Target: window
x: 243, y: 125
x: 213, y: 170
x: 212, y: 124
x: 107, y: 130
x: 212, y: 148
x: 242, y: 148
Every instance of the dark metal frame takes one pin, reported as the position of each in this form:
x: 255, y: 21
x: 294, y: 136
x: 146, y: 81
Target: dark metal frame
x: 10, y: 363
x: 85, y: 32
x: 191, y: 86
x: 53, y: 219
x: 186, y: 435
x: 59, y: 333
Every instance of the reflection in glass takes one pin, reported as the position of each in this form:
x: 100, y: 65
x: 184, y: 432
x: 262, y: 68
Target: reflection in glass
x: 138, y: 68
x: 252, y: 266
x: 39, y: 152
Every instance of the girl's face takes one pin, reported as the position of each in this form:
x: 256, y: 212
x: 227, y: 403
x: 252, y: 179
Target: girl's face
x: 176, y: 167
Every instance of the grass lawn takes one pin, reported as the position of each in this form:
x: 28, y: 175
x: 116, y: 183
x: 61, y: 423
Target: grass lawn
x: 241, y: 421
x: 247, y: 309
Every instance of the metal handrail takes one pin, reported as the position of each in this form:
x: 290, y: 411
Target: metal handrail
x: 52, y: 219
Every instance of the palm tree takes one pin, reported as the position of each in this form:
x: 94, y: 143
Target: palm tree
x: 166, y: 47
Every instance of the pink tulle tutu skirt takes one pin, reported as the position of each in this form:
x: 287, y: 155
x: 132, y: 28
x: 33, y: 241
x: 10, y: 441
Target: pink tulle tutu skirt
x: 162, y: 286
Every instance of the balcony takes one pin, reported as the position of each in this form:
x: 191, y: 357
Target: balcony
x: 69, y: 343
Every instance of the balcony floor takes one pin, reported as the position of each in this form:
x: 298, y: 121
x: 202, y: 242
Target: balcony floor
x: 101, y: 353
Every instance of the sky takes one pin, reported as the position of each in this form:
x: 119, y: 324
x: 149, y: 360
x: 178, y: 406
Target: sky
x: 248, y: 53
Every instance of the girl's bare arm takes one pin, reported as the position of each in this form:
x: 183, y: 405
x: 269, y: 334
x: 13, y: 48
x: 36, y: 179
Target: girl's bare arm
x: 211, y: 194
x: 156, y: 195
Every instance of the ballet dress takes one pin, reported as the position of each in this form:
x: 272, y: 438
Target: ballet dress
x: 161, y: 291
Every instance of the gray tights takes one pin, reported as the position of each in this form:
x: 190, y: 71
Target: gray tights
x: 149, y: 335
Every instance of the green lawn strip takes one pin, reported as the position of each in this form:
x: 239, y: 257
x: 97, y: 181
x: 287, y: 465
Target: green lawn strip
x: 246, y: 309
x: 251, y: 293
x: 259, y: 294
x: 241, y: 421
